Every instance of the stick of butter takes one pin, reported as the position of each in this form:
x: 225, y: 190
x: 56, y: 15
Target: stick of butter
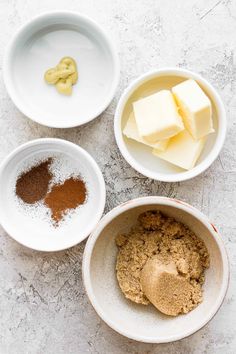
x: 131, y: 131
x: 195, y: 108
x: 182, y: 150
x: 157, y: 116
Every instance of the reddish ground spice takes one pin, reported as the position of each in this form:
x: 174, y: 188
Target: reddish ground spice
x: 32, y: 186
x: 64, y: 197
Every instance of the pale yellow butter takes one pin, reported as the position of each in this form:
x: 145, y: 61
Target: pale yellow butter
x: 195, y: 108
x: 131, y: 131
x: 157, y: 116
x: 182, y: 150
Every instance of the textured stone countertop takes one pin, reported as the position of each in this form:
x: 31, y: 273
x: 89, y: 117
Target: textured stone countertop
x: 43, y: 305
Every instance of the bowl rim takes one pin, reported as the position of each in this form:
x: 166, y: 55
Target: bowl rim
x: 7, y: 72
x: 210, y: 158
x: 97, y: 171
x: 155, y: 200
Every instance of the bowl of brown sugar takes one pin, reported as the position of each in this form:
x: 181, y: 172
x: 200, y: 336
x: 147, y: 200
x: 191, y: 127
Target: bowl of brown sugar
x: 155, y: 269
x: 52, y: 194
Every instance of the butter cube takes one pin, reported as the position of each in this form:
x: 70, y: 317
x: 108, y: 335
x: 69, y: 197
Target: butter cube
x: 195, y: 108
x: 131, y: 131
x: 182, y: 150
x: 157, y: 116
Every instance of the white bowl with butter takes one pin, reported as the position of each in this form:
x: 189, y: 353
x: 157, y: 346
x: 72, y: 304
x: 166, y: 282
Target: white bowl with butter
x: 39, y: 45
x: 136, y: 321
x: 142, y: 95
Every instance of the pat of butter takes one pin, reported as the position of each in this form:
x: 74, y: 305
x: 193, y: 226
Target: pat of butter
x: 182, y: 150
x: 131, y: 131
x: 195, y: 108
x: 157, y: 116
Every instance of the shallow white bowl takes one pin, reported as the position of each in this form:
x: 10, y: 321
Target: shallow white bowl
x: 39, y: 45
x: 35, y: 232
x: 140, y: 156
x: 145, y: 323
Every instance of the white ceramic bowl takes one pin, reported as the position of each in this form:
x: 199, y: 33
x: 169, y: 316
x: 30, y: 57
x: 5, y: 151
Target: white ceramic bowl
x: 140, y: 156
x: 39, y: 45
x: 139, y: 322
x: 36, y: 232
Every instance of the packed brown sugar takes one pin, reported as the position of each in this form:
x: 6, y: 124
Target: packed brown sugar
x: 163, y: 262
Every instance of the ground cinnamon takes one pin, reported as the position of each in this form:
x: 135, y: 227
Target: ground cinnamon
x: 66, y: 196
x: 32, y: 186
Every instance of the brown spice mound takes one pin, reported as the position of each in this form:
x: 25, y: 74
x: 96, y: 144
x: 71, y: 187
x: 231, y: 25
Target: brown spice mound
x: 162, y: 239
x: 32, y: 186
x: 66, y: 196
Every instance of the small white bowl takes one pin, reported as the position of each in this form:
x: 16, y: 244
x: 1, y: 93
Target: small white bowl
x: 36, y: 232
x: 140, y: 156
x: 145, y: 323
x: 39, y: 45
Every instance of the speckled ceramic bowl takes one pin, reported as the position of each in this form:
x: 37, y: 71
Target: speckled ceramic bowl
x: 145, y: 323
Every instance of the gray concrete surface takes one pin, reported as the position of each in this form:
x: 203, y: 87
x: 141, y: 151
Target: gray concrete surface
x: 43, y: 305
